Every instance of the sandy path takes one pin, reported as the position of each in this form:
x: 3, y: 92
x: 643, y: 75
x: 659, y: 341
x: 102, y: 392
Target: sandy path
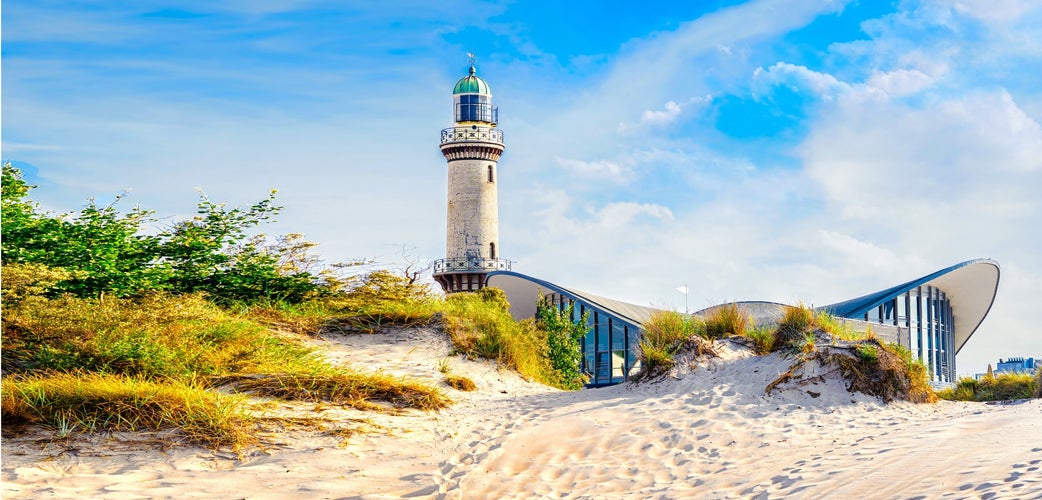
x: 711, y: 434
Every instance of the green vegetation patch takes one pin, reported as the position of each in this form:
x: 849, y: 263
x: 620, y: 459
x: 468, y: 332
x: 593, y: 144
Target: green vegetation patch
x: 727, y: 320
x: 158, y: 335
x: 480, y: 326
x: 664, y: 336
x: 1002, y: 387
x: 884, y: 370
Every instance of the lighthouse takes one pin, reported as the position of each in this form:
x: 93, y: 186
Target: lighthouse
x: 472, y: 147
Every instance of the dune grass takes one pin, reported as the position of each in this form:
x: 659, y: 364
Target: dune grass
x: 1001, y: 387
x: 727, y: 320
x: 86, y: 402
x: 663, y: 335
x: 885, y: 370
x: 344, y: 387
x: 154, y: 336
x: 113, y: 352
x: 480, y: 326
x: 763, y: 339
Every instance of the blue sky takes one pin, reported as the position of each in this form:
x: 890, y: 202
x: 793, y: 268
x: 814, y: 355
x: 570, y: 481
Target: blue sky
x: 786, y: 150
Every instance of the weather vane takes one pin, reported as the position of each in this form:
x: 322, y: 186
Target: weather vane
x: 471, y: 58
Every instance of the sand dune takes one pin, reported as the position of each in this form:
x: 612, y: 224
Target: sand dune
x: 711, y: 432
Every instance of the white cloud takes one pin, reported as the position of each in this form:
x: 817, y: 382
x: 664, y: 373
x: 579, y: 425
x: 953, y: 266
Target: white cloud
x: 599, y: 169
x: 994, y: 10
x: 660, y: 117
x: 823, y: 85
x: 900, y: 82
x: 620, y: 214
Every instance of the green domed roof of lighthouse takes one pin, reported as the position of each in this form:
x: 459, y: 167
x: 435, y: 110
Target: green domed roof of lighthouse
x: 471, y: 84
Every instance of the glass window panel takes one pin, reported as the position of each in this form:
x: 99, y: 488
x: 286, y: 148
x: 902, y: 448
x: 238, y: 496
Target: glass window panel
x: 873, y: 315
x: 618, y: 361
x: 888, y: 311
x: 618, y: 336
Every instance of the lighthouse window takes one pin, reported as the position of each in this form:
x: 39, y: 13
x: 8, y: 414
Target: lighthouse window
x: 490, y: 178
x: 492, y: 250
x: 474, y: 108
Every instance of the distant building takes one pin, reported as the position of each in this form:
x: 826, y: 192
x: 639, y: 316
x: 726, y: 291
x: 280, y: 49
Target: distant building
x: 932, y: 316
x: 1016, y: 365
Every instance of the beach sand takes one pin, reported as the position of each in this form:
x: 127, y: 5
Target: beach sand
x: 708, y: 432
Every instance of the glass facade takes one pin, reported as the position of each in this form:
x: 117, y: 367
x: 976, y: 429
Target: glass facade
x: 475, y: 108
x: 926, y: 314
x: 609, y: 350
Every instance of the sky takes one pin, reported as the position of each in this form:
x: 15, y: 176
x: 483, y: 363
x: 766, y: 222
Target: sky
x: 783, y: 150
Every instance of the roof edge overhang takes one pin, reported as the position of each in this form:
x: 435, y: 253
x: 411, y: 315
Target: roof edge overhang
x: 970, y: 286
x: 514, y: 284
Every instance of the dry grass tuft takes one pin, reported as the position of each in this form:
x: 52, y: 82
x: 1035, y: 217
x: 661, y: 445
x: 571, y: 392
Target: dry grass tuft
x: 1003, y: 387
x: 662, y: 338
x: 883, y: 370
x: 460, y: 383
x: 89, y: 402
x: 725, y: 321
x: 794, y: 326
x: 356, y: 390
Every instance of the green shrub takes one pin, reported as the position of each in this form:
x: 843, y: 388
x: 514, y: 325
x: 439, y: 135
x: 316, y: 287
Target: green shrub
x: 564, y: 338
x: 112, y: 253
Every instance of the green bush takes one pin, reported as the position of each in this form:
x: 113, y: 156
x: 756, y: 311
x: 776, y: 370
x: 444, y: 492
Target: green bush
x: 563, y: 339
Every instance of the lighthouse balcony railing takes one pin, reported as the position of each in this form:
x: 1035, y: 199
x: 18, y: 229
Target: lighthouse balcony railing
x: 472, y: 133
x: 469, y: 265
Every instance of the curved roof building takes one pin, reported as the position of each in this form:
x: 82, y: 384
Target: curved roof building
x: 933, y: 316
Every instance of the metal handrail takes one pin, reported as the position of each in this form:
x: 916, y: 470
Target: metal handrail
x: 472, y: 134
x: 470, y: 264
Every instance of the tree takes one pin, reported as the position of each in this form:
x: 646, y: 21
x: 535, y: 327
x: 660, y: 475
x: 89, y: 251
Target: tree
x: 103, y: 248
x: 563, y: 337
x: 106, y: 251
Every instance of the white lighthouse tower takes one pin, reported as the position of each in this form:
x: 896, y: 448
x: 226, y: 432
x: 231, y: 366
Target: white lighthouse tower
x: 472, y: 147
